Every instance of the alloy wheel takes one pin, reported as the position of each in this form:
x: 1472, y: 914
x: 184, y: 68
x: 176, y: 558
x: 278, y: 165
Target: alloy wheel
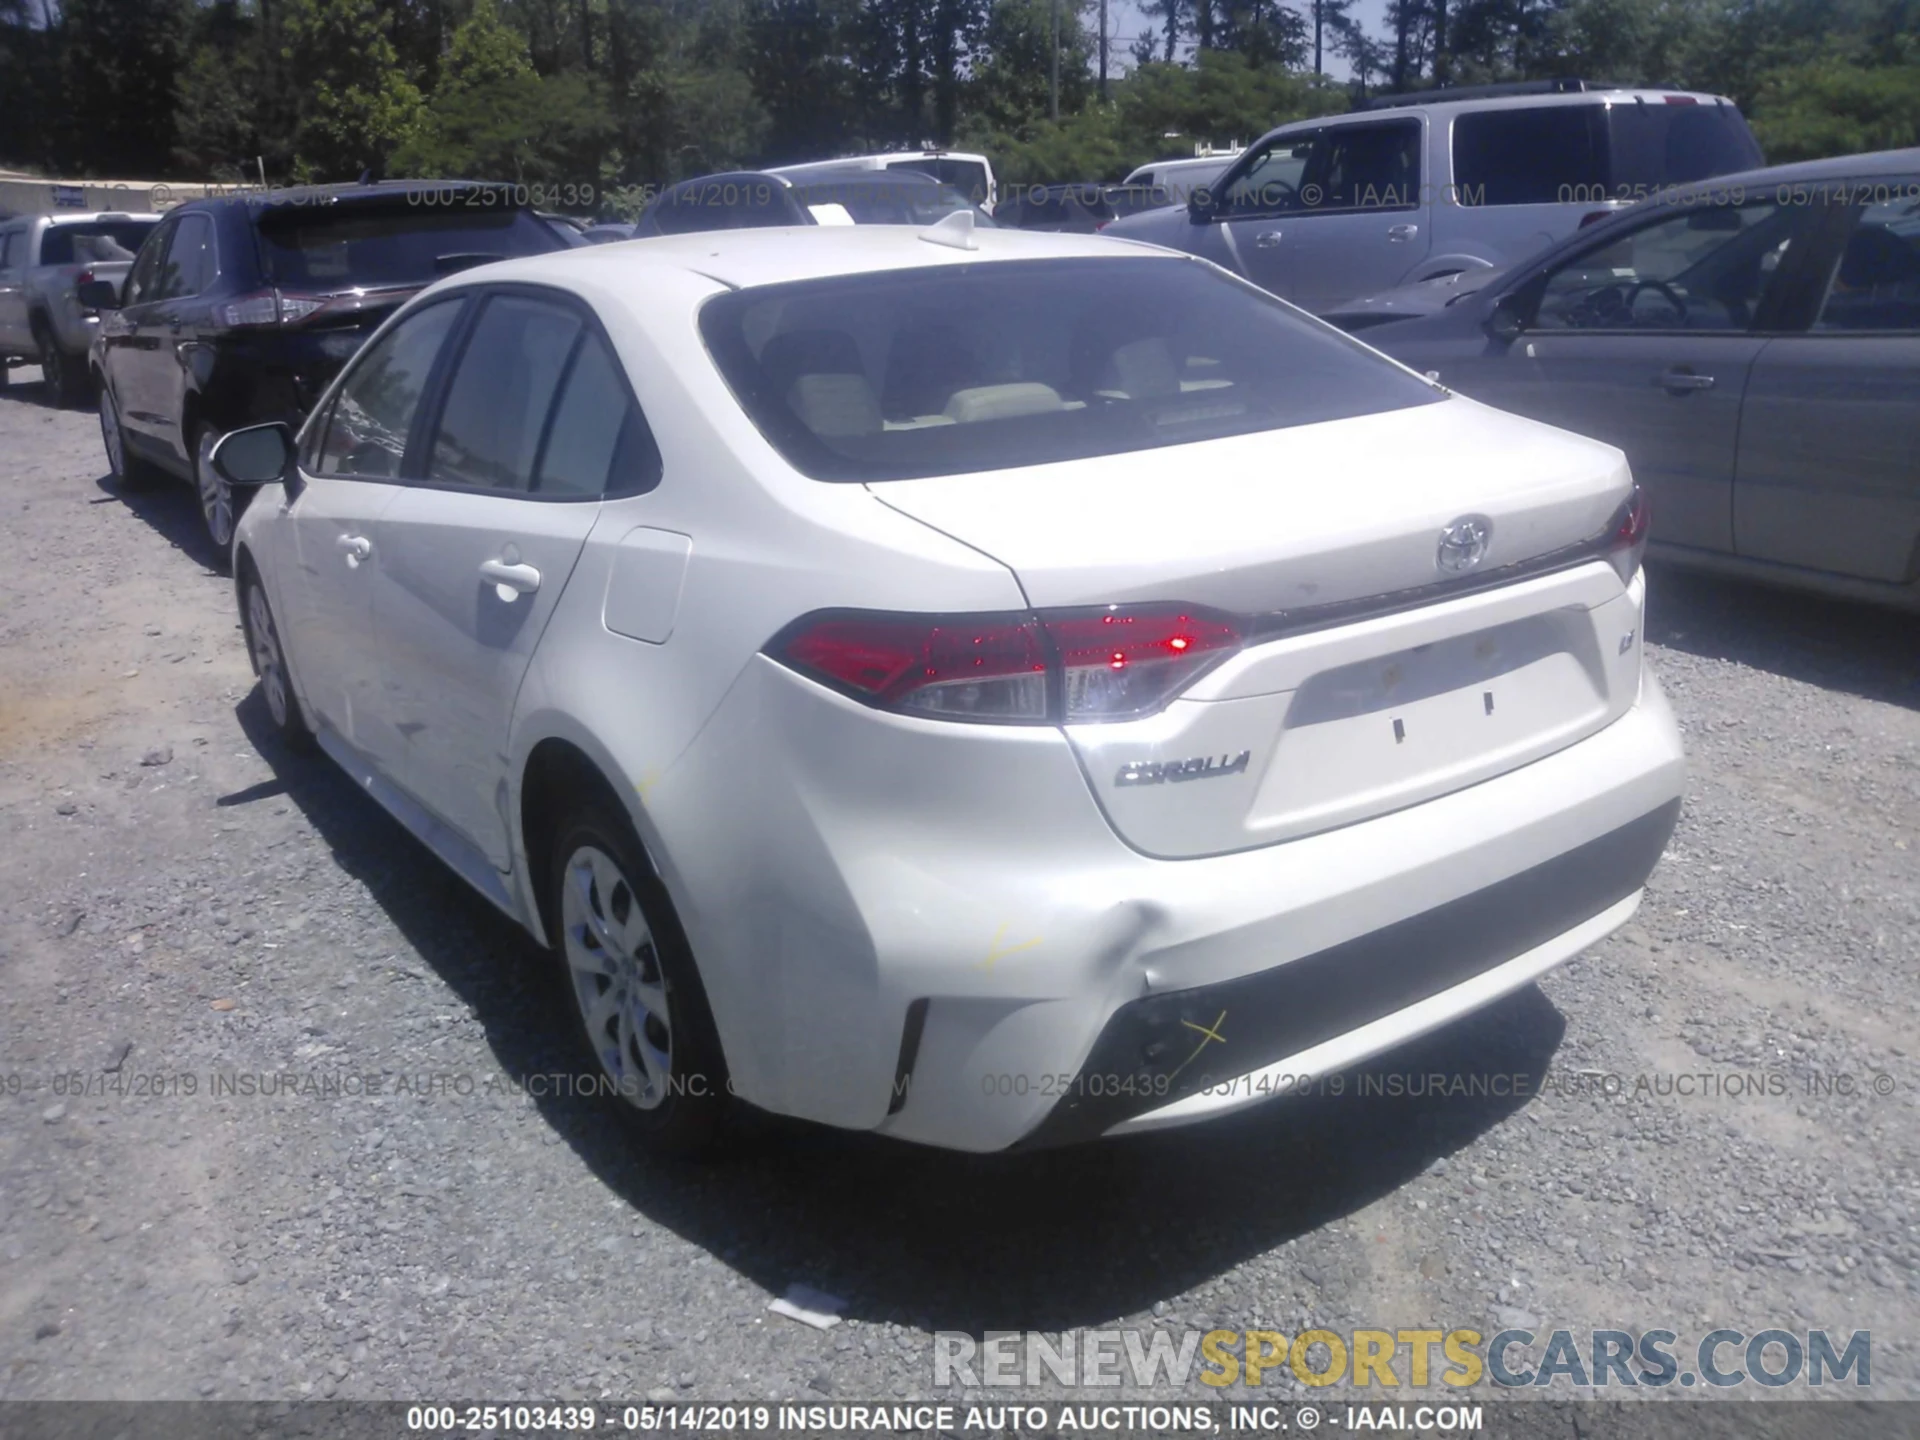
x: 614, y: 964
x: 110, y: 434
x: 266, y: 655
x: 216, y: 500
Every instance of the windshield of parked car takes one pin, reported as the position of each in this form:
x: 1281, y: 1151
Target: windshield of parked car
x: 951, y: 369
x: 93, y: 242
x: 311, y: 247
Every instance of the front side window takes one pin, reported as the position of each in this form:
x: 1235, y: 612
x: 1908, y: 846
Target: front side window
x: 146, y: 266
x: 366, y: 436
x: 1701, y: 267
x: 969, y: 177
x: 1876, y: 285
x: 496, y: 411
x: 993, y: 366
x: 1273, y: 178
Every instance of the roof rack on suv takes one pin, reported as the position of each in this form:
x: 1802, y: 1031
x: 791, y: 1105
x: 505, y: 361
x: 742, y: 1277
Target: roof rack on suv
x: 1436, y: 94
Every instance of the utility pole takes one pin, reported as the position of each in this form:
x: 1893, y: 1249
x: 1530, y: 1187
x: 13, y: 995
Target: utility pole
x: 1053, y: 62
x: 1103, y: 49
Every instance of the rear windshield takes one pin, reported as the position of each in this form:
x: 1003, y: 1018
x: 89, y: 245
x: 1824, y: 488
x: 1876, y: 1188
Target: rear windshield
x: 870, y: 198
x: 92, y: 242
x: 392, y: 245
x: 969, y: 177
x: 721, y: 202
x: 1586, y: 154
x: 959, y: 368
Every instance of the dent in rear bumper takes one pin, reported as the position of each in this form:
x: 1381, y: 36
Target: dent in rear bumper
x: 1160, y: 1049
x: 834, y: 865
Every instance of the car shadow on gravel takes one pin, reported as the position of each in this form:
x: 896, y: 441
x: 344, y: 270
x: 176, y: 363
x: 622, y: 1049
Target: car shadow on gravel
x: 1863, y: 650
x: 173, y: 510
x: 941, y: 1241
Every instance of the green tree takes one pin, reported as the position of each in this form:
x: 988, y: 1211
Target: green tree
x: 1828, y: 107
x: 120, y: 65
x: 356, y: 104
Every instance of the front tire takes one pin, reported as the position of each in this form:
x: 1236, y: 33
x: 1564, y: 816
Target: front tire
x: 270, y: 663
x: 219, y: 507
x: 641, y: 1012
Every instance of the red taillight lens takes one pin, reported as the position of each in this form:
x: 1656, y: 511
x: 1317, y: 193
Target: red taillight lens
x: 1130, y: 659
x: 1593, y: 217
x: 1049, y: 667
x: 1627, y: 539
x: 988, y: 667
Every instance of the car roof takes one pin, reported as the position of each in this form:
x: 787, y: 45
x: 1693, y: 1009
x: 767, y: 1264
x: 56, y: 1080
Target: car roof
x: 97, y: 216
x: 1838, y: 167
x: 773, y: 255
x: 1389, y: 105
x: 294, y: 196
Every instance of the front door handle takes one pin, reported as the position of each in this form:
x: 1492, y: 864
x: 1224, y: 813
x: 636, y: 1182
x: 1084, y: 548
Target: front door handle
x: 510, y: 580
x: 1266, y: 239
x: 1402, y: 232
x: 356, y: 548
x: 1681, y: 379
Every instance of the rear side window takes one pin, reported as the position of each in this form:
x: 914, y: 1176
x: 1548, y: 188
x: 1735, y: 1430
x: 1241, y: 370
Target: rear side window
x: 366, y: 435
x: 951, y: 369
x: 93, y: 242
x: 495, y: 415
x: 1537, y: 156
x: 312, y: 248
x: 597, y: 443
x: 189, y: 265
x: 1876, y: 285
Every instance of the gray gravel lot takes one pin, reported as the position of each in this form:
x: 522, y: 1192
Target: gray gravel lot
x: 178, y: 898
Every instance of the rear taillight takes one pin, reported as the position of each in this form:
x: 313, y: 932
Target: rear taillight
x: 1593, y: 217
x: 1040, y: 668
x: 266, y: 307
x: 1627, y: 536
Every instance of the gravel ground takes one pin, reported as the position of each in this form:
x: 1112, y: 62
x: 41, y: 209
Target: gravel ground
x: 180, y: 899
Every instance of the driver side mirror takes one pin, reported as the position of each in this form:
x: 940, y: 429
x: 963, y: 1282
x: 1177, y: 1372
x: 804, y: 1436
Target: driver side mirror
x: 1507, y: 318
x: 1200, y: 204
x: 99, y: 295
x: 257, y: 455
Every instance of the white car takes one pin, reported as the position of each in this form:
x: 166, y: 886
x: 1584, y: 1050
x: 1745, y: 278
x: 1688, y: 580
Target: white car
x: 989, y: 688
x: 972, y: 175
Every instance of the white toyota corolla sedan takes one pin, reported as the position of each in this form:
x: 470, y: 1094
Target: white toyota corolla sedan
x: 993, y: 689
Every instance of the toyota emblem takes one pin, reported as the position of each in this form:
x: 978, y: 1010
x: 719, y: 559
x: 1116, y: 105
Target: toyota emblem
x: 1463, y: 544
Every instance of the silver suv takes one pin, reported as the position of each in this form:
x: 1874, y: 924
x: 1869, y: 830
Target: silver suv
x: 1441, y: 181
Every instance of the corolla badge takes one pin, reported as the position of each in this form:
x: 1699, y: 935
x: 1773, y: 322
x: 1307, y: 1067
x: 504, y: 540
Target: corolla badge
x: 1201, y: 767
x: 1463, y: 544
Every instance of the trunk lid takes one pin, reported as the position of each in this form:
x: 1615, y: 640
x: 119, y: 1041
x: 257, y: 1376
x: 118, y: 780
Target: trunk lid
x: 1359, y: 690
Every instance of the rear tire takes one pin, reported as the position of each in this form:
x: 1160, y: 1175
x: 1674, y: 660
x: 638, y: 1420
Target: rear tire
x: 64, y: 378
x: 129, y: 472
x: 640, y: 1011
x: 270, y: 663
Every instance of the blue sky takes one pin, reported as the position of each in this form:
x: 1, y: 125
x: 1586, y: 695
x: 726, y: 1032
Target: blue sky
x: 1126, y: 21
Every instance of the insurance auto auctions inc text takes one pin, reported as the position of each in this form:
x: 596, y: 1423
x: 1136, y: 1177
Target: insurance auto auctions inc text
x: 1396, y: 1358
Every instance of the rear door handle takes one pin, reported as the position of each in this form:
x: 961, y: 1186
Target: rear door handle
x: 1266, y: 239
x: 1402, y: 232
x: 356, y: 548
x: 512, y: 580
x: 1681, y: 379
